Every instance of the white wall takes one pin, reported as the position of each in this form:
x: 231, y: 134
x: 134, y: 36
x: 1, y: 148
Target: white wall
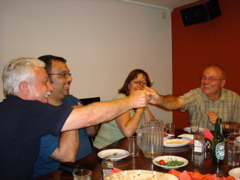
x: 103, y: 40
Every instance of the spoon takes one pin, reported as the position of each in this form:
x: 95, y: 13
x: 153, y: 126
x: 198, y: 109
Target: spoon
x: 114, y: 154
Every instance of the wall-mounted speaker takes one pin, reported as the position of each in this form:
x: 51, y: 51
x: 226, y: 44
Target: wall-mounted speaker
x: 200, y: 13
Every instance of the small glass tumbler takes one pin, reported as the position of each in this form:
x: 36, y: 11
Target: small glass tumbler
x: 82, y: 174
x: 194, y: 127
x: 133, y: 146
x: 199, y: 143
x: 170, y: 128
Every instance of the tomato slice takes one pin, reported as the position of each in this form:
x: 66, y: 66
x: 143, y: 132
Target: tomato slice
x: 162, y: 162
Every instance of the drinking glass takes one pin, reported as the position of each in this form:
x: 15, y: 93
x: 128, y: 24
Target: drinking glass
x: 233, y: 153
x: 82, y: 174
x: 194, y: 127
x: 133, y: 146
x: 170, y: 128
x: 234, y: 133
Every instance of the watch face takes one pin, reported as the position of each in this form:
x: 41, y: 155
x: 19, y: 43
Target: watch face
x: 226, y: 126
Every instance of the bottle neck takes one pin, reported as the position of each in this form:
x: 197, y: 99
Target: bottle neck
x: 218, y: 127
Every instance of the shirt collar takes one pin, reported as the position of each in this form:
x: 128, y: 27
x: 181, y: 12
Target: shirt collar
x: 221, y: 98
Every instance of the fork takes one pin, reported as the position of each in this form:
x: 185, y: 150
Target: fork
x: 114, y: 154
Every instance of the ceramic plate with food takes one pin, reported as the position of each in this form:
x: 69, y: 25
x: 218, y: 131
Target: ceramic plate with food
x: 176, y: 142
x: 170, y: 162
x: 141, y: 175
x: 187, y: 136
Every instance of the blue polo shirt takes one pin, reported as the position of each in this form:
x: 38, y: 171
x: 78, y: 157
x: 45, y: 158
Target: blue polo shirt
x: 49, y: 143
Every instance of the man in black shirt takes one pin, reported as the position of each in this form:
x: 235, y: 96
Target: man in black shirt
x: 25, y: 115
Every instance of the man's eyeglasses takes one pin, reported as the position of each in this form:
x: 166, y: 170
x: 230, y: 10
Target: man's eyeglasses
x: 211, y: 79
x: 64, y: 74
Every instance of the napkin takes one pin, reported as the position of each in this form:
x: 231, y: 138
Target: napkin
x: 115, y: 170
x: 191, y: 142
x: 208, y: 134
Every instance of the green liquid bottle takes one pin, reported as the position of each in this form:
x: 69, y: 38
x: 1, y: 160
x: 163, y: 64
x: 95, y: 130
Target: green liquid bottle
x: 218, y: 144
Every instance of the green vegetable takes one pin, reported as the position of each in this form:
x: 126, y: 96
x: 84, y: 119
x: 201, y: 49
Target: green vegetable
x: 173, y: 163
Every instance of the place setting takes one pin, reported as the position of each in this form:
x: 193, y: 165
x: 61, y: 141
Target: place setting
x: 194, y: 128
x: 113, y: 154
x: 175, y: 142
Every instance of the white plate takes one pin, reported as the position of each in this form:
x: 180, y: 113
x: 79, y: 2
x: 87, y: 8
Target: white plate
x: 176, y: 142
x: 121, y: 154
x: 188, y: 129
x: 235, y: 173
x: 187, y: 136
x: 168, y: 136
x: 176, y: 150
x: 169, y: 158
x: 140, y: 174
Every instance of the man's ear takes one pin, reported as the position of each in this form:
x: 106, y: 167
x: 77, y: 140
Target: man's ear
x: 223, y: 83
x: 23, y: 87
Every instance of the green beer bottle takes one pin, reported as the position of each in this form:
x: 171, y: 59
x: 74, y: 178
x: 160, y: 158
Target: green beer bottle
x: 218, y: 144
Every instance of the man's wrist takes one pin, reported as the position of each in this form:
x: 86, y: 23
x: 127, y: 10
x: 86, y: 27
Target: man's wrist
x: 160, y: 100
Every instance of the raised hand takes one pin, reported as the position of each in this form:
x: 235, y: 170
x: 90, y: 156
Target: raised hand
x: 139, y: 98
x: 154, y: 97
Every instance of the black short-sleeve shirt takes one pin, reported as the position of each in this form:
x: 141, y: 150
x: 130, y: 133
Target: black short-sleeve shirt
x: 22, y: 124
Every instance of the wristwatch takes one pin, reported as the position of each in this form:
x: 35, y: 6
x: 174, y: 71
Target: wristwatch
x: 226, y: 126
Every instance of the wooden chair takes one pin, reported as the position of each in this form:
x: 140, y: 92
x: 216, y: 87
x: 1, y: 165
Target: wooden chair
x: 86, y: 101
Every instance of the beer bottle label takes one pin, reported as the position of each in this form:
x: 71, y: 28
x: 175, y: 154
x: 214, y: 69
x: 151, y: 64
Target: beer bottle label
x: 220, y: 151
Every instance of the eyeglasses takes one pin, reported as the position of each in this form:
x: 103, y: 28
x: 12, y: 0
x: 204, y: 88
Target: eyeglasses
x: 211, y: 79
x: 139, y: 82
x: 64, y: 74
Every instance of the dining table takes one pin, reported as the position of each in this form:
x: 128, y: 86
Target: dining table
x: 201, y: 163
